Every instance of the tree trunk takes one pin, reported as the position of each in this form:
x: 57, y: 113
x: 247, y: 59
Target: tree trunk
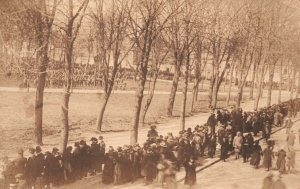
x: 66, y: 99
x: 184, y: 92
x: 195, y: 93
x: 252, y: 82
x: 215, y: 88
x: 149, y: 100
x: 39, y: 100
x: 137, y: 110
x: 239, y: 96
x: 173, y: 91
x: 292, y: 85
x: 230, y: 84
x: 259, y: 89
x: 280, y: 84
x: 270, y: 84
x: 102, y: 110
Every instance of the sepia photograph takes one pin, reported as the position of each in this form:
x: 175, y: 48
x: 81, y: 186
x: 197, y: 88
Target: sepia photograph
x: 149, y: 94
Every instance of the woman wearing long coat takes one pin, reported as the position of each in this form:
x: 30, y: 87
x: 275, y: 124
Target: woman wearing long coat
x: 109, y: 166
x: 190, y: 172
x: 268, y: 155
x: 281, y: 161
x: 290, y: 158
x: 256, y: 153
x: 170, y: 175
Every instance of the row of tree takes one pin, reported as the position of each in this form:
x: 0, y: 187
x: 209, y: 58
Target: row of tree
x: 231, y: 37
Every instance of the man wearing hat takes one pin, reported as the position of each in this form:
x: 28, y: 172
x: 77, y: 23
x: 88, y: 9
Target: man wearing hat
x: 152, y: 133
x: 212, y: 121
x: 53, y: 169
x: 39, y: 162
x: 95, y: 155
x: 85, y: 158
x: 102, y: 152
x: 20, y: 162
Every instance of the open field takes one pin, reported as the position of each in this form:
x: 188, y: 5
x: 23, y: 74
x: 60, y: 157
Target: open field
x: 17, y: 114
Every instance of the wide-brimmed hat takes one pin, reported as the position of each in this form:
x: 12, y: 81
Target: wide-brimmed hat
x: 153, y: 127
x: 38, y: 149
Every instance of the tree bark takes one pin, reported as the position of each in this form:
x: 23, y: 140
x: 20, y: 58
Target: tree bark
x: 292, y: 85
x: 259, y: 89
x: 102, y: 110
x: 270, y: 84
x: 280, y: 84
x: 66, y: 98
x: 43, y: 35
x: 149, y: 100
x: 137, y: 109
x: 230, y: 84
x: 173, y: 91
x: 184, y: 92
x: 252, y: 81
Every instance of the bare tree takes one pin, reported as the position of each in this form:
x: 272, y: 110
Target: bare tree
x: 159, y: 54
x: 70, y: 29
x: 147, y: 19
x: 111, y: 29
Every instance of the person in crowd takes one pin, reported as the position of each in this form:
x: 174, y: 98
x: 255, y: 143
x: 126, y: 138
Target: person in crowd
x: 161, y: 167
x: 211, y: 144
x: 68, y: 165
x: 77, y: 159
x: 85, y: 154
x: 277, y: 118
x: 291, y: 137
x: 39, y: 162
x: 268, y: 156
x: 170, y: 175
x: 266, y: 130
x: 8, y: 172
x: 190, y: 172
x: 109, y: 166
x: 224, y: 142
x: 30, y: 172
x: 95, y: 156
x: 53, y: 169
x: 256, y: 153
x: 288, y: 123
x: 237, y: 144
x: 20, y: 163
x: 101, y: 153
x: 212, y: 121
x: 280, y: 164
x: 290, y: 156
x: 152, y: 133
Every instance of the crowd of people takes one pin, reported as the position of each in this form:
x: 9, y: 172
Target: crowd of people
x: 160, y: 157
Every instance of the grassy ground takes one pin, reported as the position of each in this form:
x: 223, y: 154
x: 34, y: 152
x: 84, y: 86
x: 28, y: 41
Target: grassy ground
x: 17, y: 114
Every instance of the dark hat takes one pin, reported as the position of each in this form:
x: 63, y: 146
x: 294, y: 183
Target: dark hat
x: 31, y: 150
x: 153, y: 126
x: 94, y: 139
x: 100, y: 137
x: 55, y: 150
x: 82, y: 142
x: 38, y: 149
x: 76, y: 144
x: 69, y: 148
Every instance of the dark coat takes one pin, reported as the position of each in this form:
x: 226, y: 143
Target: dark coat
x: 190, y: 173
x: 109, y: 166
